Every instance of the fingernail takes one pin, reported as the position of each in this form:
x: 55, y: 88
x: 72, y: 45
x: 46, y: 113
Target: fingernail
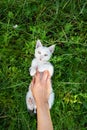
x: 46, y: 71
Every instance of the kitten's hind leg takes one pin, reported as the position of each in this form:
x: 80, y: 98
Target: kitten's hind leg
x: 29, y: 101
x: 51, y: 100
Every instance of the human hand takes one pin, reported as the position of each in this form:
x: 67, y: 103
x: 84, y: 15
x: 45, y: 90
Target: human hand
x: 41, y: 87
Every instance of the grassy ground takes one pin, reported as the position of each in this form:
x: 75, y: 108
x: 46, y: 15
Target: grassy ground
x: 60, y: 22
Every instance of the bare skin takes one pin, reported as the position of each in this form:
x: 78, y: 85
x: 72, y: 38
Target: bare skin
x: 41, y: 90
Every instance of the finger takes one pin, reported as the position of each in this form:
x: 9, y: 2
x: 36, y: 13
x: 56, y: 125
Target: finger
x: 48, y: 82
x: 37, y: 76
x: 49, y: 76
x: 32, y: 83
x: 45, y: 75
x: 48, y: 85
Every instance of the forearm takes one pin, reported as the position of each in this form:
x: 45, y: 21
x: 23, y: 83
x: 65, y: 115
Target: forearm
x: 43, y: 117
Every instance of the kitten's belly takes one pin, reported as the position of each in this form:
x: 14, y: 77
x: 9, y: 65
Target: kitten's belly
x: 49, y: 67
x: 42, y: 68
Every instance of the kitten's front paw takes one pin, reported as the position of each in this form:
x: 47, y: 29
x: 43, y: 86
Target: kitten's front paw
x: 32, y: 72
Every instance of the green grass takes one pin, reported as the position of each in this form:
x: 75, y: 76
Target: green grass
x: 60, y: 22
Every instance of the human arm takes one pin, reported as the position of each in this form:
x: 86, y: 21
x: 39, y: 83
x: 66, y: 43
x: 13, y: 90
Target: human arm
x: 43, y: 117
x: 41, y: 91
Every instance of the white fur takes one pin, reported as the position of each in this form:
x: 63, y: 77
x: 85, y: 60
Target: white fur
x: 40, y: 62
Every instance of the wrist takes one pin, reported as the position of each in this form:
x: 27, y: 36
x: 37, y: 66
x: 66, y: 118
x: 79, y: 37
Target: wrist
x: 42, y: 105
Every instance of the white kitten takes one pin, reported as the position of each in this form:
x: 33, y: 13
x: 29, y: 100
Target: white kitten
x: 42, y: 55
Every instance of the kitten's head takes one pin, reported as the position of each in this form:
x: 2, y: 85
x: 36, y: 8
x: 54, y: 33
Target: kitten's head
x: 43, y: 53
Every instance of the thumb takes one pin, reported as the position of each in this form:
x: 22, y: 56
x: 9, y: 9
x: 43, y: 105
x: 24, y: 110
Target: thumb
x: 48, y: 85
x: 32, y: 83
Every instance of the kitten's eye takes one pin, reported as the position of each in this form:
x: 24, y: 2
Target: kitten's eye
x: 39, y: 52
x: 45, y: 55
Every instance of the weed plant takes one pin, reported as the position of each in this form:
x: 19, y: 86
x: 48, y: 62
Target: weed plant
x: 60, y: 22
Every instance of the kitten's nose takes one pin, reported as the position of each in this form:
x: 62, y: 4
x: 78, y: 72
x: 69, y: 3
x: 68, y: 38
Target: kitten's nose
x: 41, y: 57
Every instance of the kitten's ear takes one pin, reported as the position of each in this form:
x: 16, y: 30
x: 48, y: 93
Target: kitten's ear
x: 38, y: 44
x: 51, y: 48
